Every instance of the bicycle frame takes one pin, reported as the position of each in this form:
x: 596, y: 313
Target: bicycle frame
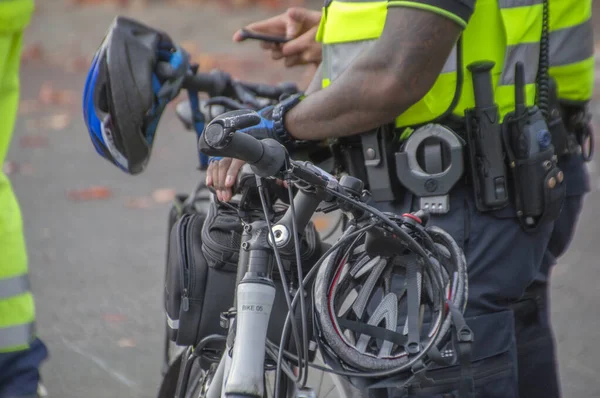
x: 241, y: 369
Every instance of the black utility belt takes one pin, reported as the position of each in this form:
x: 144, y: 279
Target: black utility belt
x: 501, y: 170
x: 510, y: 162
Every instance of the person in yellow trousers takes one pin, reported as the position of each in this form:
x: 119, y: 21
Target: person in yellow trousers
x: 21, y: 352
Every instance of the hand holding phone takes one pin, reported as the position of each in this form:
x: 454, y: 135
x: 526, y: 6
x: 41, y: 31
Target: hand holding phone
x: 248, y: 34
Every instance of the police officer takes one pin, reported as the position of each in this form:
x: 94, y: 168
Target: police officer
x: 405, y: 62
x: 21, y: 353
x: 537, y: 365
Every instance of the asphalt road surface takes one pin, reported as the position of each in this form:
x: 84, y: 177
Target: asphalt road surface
x: 97, y: 265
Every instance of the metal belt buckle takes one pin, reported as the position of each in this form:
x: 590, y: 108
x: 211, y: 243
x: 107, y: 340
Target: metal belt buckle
x: 430, y: 165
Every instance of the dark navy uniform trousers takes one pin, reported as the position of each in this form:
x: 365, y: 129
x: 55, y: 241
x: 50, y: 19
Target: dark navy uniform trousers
x: 513, y: 353
x: 538, y: 371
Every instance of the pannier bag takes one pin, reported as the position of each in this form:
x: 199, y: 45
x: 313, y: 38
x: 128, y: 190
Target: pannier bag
x: 201, y: 272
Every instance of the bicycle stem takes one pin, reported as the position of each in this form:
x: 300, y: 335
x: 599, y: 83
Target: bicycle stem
x: 305, y: 205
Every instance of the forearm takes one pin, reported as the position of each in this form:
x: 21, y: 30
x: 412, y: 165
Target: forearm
x: 316, y: 83
x: 384, y: 81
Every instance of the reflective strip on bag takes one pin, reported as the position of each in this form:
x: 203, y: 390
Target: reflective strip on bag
x: 173, y: 323
x: 16, y: 336
x: 14, y: 286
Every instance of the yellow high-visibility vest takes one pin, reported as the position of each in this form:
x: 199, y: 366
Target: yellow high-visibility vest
x: 502, y: 31
x: 17, y: 310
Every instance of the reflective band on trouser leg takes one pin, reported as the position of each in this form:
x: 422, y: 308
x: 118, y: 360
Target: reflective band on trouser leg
x: 14, y: 286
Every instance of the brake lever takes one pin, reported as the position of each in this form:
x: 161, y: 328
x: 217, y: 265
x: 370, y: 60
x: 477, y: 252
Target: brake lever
x: 225, y: 102
x: 245, y: 95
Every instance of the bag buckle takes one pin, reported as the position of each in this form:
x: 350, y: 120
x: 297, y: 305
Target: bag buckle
x: 465, y: 335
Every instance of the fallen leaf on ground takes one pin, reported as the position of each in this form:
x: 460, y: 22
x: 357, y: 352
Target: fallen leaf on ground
x: 80, y: 63
x: 91, y: 193
x: 10, y: 167
x: 33, y: 125
x: 33, y: 141
x: 163, y: 195
x: 59, y: 121
x: 135, y: 4
x: 26, y: 169
x: 139, y: 203
x: 126, y: 343
x: 32, y: 52
x: 84, y: 2
x: 50, y: 95
x: 191, y: 47
x: 114, y: 318
x: 28, y: 106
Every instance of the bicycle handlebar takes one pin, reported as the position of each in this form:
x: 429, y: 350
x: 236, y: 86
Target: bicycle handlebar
x: 267, y: 157
x: 219, y: 83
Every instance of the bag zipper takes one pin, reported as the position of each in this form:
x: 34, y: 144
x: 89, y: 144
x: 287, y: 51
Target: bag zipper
x: 189, y: 251
x: 185, y: 304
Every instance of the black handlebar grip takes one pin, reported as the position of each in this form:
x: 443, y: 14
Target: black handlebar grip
x: 221, y: 138
x: 214, y: 83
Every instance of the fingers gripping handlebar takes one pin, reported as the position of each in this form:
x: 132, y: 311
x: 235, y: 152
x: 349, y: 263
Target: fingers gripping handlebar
x: 221, y: 138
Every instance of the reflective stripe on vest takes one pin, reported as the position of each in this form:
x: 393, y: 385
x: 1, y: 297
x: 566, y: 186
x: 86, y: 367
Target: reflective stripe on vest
x: 18, y: 314
x: 504, y: 31
x: 14, y: 286
x: 16, y: 338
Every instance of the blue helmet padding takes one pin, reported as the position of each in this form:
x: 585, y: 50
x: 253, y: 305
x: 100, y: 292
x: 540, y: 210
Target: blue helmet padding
x: 92, y: 120
x: 90, y: 116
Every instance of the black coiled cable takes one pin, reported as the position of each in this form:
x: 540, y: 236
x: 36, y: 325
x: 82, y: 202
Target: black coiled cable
x: 543, y: 77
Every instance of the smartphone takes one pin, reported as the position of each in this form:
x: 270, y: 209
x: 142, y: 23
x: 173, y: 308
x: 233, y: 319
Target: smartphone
x: 247, y: 34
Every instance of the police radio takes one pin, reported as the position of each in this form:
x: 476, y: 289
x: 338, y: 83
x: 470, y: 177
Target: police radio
x: 538, y: 182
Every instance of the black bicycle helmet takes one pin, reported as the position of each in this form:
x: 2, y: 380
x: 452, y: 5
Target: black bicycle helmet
x: 382, y: 306
x: 124, y: 98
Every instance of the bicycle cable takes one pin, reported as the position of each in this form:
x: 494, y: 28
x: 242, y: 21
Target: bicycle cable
x: 300, y: 285
x: 280, y: 267
x: 311, y: 274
